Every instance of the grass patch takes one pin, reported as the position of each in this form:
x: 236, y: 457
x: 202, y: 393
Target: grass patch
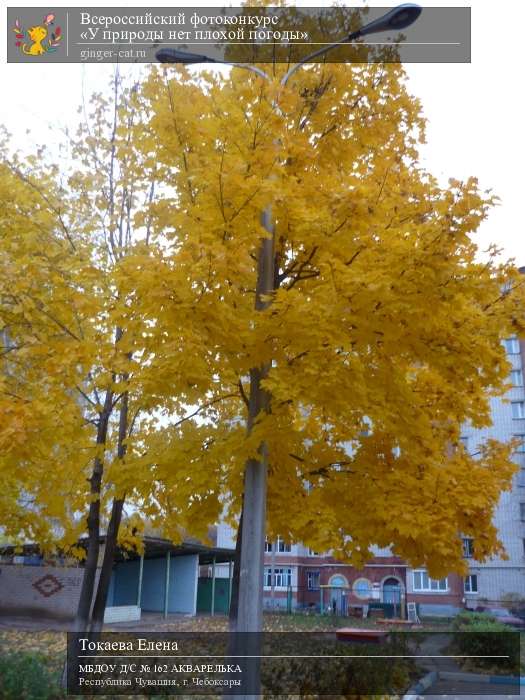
x: 483, y: 635
x: 28, y: 676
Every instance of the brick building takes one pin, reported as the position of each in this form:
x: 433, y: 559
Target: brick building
x: 296, y: 577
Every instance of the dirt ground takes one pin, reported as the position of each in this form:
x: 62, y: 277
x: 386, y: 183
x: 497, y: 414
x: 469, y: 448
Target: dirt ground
x: 156, y: 622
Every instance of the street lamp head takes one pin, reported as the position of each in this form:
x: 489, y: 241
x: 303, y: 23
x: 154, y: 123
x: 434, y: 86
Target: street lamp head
x: 175, y: 56
x: 398, y: 18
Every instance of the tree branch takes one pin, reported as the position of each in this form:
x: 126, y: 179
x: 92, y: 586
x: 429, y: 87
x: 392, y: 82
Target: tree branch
x: 243, y: 394
x: 90, y: 400
x: 203, y: 407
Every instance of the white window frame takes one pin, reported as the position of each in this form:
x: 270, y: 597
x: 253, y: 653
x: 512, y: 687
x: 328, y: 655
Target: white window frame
x: 512, y: 345
x: 468, y: 547
x: 311, y: 553
x: 268, y: 546
x: 282, y: 547
x: 309, y: 584
x: 338, y: 577
x: 467, y: 584
x: 518, y: 410
x: 281, y: 576
x: 516, y: 374
x: 521, y: 447
x: 429, y: 583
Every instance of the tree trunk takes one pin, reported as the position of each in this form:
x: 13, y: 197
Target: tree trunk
x: 93, y: 524
x: 251, y: 569
x: 85, y: 599
x: 234, y: 602
x: 99, y: 607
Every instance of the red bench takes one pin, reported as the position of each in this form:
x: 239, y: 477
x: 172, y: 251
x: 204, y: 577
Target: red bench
x: 358, y: 634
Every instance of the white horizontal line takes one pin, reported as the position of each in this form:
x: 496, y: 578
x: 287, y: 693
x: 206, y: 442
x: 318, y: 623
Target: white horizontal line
x: 287, y: 656
x: 278, y: 43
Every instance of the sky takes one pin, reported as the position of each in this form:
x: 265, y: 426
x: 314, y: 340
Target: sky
x: 475, y: 111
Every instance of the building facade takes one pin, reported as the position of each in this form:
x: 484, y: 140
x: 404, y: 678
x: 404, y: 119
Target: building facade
x: 495, y: 582
x: 296, y: 577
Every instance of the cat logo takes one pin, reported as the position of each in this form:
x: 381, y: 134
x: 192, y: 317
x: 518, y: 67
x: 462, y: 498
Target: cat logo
x: 40, y: 39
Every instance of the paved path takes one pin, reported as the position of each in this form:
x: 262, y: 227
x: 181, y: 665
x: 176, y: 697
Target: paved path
x: 465, y: 691
x: 445, y: 689
x: 434, y: 645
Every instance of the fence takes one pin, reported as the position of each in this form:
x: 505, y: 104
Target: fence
x: 330, y: 600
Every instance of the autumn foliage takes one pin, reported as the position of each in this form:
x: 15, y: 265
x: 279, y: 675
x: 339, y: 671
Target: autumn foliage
x: 132, y: 273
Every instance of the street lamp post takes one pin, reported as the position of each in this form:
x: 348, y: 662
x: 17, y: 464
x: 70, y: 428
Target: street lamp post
x: 255, y: 485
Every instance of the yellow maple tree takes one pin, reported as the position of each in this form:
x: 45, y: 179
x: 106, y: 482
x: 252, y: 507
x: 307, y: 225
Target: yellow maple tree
x: 382, y: 333
x: 79, y: 400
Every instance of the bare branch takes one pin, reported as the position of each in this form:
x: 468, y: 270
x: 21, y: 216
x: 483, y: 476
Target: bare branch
x: 243, y: 394
x: 203, y: 407
x: 90, y: 400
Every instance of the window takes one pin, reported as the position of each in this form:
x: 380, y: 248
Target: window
x: 521, y: 477
x: 282, y: 546
x: 471, y: 584
x: 282, y: 578
x: 362, y: 588
x: 521, y: 446
x: 512, y: 346
x: 423, y: 583
x: 518, y: 409
x: 516, y: 377
x: 522, y: 511
x: 468, y: 547
x: 523, y: 541
x: 311, y: 553
x: 267, y: 545
x: 312, y: 580
x: 338, y: 581
x: 464, y: 441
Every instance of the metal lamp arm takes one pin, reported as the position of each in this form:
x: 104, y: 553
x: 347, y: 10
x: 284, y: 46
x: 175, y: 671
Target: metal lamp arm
x: 248, y: 66
x: 319, y: 52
